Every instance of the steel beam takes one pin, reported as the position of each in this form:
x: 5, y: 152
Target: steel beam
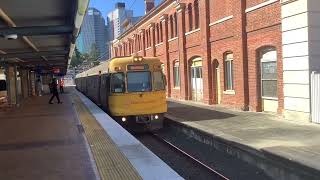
x: 33, y: 54
x: 36, y: 30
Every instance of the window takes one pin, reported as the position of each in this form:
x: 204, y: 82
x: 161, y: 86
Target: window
x: 139, y: 81
x: 158, y: 81
x: 117, y: 80
x: 149, y: 38
x: 196, y: 14
x: 161, y: 33
x: 190, y: 17
x: 228, y: 69
x: 175, y: 25
x: 176, y: 74
x: 158, y: 34
x: 171, y: 27
x: 269, y: 74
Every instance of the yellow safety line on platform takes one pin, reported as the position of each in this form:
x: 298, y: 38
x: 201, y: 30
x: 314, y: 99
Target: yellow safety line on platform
x: 111, y: 163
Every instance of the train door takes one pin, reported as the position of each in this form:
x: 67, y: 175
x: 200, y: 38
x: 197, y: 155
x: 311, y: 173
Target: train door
x: 196, y: 79
x: 269, y: 79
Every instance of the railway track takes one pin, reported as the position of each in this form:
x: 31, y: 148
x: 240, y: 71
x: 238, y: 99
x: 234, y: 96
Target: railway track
x: 189, y: 156
x: 183, y: 163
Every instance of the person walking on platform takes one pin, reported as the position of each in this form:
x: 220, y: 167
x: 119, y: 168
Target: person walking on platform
x: 54, y: 92
x: 61, y: 84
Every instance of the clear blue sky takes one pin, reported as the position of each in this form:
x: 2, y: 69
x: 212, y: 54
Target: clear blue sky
x: 105, y: 6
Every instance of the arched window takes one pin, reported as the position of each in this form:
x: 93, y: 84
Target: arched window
x: 175, y: 25
x: 171, y: 27
x: 228, y: 71
x: 190, y: 17
x: 176, y: 74
x: 161, y: 32
x: 196, y: 14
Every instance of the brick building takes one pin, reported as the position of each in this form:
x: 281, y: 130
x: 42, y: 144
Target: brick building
x: 226, y: 52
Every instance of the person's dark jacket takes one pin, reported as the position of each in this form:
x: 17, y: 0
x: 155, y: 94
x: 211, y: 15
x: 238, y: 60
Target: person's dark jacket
x: 54, y: 87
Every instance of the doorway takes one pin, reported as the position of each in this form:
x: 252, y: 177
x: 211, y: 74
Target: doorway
x: 269, y: 79
x: 196, y: 79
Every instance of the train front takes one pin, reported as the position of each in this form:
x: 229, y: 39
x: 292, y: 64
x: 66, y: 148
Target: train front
x: 138, y: 97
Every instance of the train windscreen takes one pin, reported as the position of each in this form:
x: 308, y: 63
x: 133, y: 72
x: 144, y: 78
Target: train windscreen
x: 139, y: 81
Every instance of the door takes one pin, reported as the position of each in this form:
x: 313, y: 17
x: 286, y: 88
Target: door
x: 196, y: 80
x: 269, y: 80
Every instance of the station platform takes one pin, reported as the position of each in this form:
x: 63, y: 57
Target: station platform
x: 42, y: 141
x: 280, y: 147
x: 72, y: 140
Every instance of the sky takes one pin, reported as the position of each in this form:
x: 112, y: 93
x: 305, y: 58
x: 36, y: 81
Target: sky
x: 105, y: 6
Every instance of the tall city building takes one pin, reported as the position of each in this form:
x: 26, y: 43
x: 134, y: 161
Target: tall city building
x: 117, y: 18
x: 93, y: 32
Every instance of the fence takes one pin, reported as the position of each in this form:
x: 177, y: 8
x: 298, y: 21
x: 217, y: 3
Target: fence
x: 315, y: 97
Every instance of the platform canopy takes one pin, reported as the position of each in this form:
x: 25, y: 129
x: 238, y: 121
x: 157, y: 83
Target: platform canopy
x: 40, y: 34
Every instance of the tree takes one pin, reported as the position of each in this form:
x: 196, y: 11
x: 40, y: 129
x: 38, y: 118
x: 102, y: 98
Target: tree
x: 76, y: 58
x: 94, y: 53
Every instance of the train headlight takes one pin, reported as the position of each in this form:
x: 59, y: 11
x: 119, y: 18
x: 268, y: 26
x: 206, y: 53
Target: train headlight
x: 123, y: 119
x: 156, y: 117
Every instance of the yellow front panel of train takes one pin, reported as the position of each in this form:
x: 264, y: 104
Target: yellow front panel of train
x: 143, y: 103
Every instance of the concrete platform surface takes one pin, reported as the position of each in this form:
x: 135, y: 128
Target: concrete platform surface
x: 293, y: 141
x: 42, y: 141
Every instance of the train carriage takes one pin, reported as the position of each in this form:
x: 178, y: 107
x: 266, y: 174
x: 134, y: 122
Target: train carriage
x: 130, y: 89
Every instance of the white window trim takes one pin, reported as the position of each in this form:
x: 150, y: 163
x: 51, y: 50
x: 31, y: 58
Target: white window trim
x: 148, y: 48
x: 159, y: 44
x: 139, y: 51
x: 229, y: 92
x: 261, y: 5
x: 172, y: 39
x: 190, y: 32
x: 221, y: 20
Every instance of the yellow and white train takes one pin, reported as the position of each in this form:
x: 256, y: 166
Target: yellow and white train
x: 130, y: 89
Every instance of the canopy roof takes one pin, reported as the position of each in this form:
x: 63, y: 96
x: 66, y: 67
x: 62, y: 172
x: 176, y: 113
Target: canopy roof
x: 40, y: 34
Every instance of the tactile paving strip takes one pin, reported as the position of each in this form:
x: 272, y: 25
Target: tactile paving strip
x: 111, y: 163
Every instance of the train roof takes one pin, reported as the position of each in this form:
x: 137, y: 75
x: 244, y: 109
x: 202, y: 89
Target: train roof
x: 118, y: 61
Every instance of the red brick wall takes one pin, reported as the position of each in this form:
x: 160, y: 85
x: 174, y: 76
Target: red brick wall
x: 243, y: 35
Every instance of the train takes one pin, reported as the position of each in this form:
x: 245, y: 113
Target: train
x: 132, y: 90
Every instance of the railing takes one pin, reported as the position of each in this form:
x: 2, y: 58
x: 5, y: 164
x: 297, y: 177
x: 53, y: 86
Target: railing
x: 315, y: 97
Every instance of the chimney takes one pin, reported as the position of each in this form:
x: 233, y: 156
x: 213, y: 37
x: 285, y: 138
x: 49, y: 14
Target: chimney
x: 149, y: 4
